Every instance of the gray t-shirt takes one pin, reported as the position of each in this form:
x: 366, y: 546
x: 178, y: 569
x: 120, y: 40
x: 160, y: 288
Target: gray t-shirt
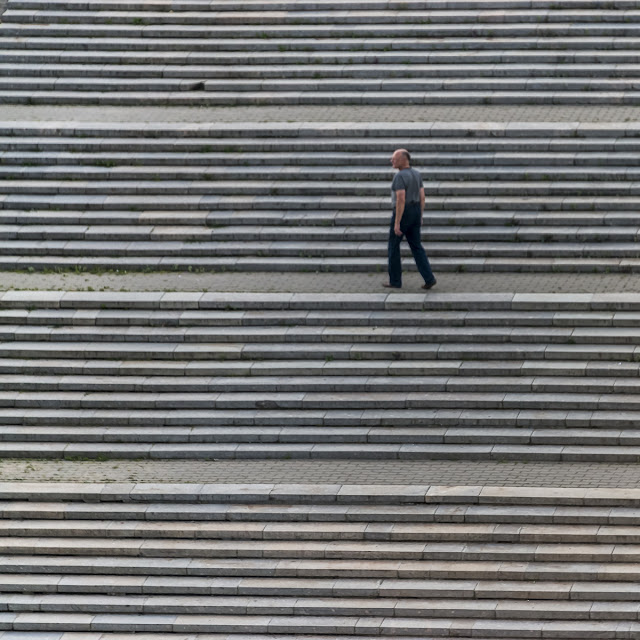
x: 411, y: 181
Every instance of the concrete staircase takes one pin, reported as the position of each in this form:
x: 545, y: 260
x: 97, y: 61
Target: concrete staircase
x: 194, y: 52
x: 311, y: 376
x: 315, y: 197
x: 96, y: 375
x: 316, y: 561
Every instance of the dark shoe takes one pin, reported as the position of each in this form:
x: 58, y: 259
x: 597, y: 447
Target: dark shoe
x: 431, y: 284
x: 390, y: 286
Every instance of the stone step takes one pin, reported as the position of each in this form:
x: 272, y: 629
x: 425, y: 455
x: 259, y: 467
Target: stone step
x: 317, y: 494
x: 296, y: 419
x: 463, y: 163
x: 391, y: 536
x: 268, y: 587
x: 498, y: 202
x: 192, y: 317
x: 574, y: 445
x: 332, y: 29
x: 456, y: 264
x: 443, y: 201
x: 570, y: 46
x: 303, y: 625
x: 342, y: 588
x: 250, y: 606
x: 210, y: 302
x: 308, y: 241
x: 324, y: 550
x: 192, y: 97
x: 349, y: 90
x: 309, y: 151
x: 329, y: 351
x: 137, y: 84
x: 324, y: 219
x: 438, y: 402
x: 289, y: 55
x: 187, y: 318
x: 485, y: 570
x: 472, y: 513
x: 38, y: 635
x: 320, y: 401
x: 376, y: 337
x: 311, y: 339
x: 282, y: 559
x: 314, y: 256
x: 378, y: 19
x: 121, y: 176
x: 310, y: 138
x: 369, y: 190
x: 310, y: 70
x: 566, y: 443
x: 260, y: 450
x: 576, y: 370
x: 327, y: 5
x: 356, y: 503
x: 321, y: 384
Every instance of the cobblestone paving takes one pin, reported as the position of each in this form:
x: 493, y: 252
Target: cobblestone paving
x: 321, y: 282
x: 488, y: 113
x: 347, y: 472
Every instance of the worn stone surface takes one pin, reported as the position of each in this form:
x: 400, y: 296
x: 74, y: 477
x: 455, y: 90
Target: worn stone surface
x: 510, y: 549
x: 508, y: 473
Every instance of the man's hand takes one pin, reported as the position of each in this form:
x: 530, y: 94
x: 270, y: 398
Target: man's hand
x: 400, y: 199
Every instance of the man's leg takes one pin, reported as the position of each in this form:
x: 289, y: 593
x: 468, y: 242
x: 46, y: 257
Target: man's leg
x: 412, y: 233
x: 395, y: 263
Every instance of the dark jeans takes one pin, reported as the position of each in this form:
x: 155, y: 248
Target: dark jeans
x: 410, y: 226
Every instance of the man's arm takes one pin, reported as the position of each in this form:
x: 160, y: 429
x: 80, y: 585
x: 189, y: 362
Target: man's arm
x: 422, y: 199
x: 400, y: 200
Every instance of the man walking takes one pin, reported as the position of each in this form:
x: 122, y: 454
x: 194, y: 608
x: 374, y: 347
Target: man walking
x: 407, y: 197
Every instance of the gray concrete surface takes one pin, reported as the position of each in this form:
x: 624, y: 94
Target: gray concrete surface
x: 347, y: 472
x: 388, y: 472
x: 420, y: 113
x: 320, y: 282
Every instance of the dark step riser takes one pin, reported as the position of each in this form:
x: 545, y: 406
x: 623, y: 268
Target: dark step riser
x: 451, y: 19
x: 413, y: 402
x: 355, y: 44
x: 369, y: 5
x: 339, y: 141
x: 480, y: 165
x: 286, y: 55
x: 626, y: 421
x: 310, y: 71
x: 262, y: 436
x: 607, y: 180
x: 368, y: 191
x: 211, y: 99
x: 520, y: 29
x: 346, y: 569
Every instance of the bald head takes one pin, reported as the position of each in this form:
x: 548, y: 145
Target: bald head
x: 400, y: 159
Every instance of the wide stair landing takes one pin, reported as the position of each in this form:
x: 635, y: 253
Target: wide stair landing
x: 314, y: 561
x: 315, y: 197
x: 398, y: 376
x: 195, y: 52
